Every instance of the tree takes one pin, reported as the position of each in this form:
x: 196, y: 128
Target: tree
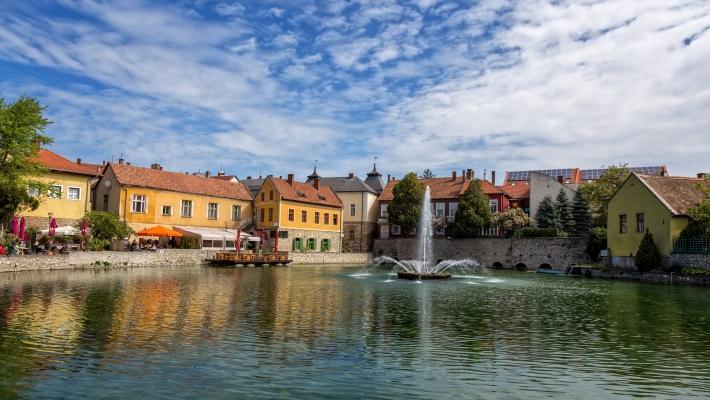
x: 427, y: 174
x: 580, y: 212
x: 473, y: 212
x: 22, y: 124
x: 546, y: 216
x: 699, y: 224
x: 404, y: 208
x: 511, y: 220
x: 565, y: 212
x: 596, y: 242
x: 599, y: 193
x: 647, y: 256
x: 106, y: 226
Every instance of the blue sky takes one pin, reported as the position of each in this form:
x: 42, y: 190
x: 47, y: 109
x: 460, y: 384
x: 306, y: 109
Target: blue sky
x: 269, y: 86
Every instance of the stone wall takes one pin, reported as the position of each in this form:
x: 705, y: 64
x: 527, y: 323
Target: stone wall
x: 331, y: 258
x: 358, y: 236
x: 306, y: 234
x: 690, y: 260
x: 529, y: 253
x: 40, y: 223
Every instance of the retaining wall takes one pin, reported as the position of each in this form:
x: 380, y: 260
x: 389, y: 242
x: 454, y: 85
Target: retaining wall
x: 531, y: 253
x: 331, y: 258
x: 690, y: 260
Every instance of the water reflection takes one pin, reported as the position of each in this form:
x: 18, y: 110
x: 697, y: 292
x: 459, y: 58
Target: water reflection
x: 308, y: 331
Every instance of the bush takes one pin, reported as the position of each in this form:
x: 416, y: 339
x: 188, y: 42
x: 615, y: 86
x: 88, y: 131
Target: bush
x: 96, y: 244
x: 647, y: 256
x: 596, y: 243
x: 511, y: 220
x: 695, y: 271
x: 540, y: 232
x: 189, y: 243
x: 105, y: 225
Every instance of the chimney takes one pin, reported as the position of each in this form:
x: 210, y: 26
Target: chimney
x: 493, y: 177
x: 664, y: 171
x: 702, y: 175
x: 128, y: 163
x: 155, y: 167
x: 351, y: 175
x: 249, y: 177
x: 78, y: 160
x: 453, y: 175
x: 463, y: 174
x: 290, y: 179
x: 561, y: 179
x: 121, y: 161
x: 389, y: 178
x: 220, y: 173
x: 281, y: 176
x: 469, y: 174
x: 103, y: 163
x: 316, y: 183
x: 207, y: 174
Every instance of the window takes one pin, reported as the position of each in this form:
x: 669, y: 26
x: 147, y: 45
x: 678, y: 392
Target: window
x: 452, y: 211
x: 439, y: 209
x: 271, y: 194
x: 352, y: 210
x: 55, y: 191
x: 335, y: 219
x: 494, y: 205
x: 325, y: 245
x: 297, y: 244
x: 206, y: 243
x: 396, y: 230
x: 317, y: 217
x: 261, y: 214
x: 236, y: 213
x: 186, y: 209
x: 291, y: 216
x: 352, y: 235
x: 304, y: 216
x: 138, y: 204
x: 105, y: 202
x: 167, y: 210
x: 271, y: 214
x: 622, y: 223
x: 212, y: 210
x: 326, y: 218
x: 383, y: 211
x: 311, y: 244
x: 640, y: 223
x: 73, y: 193
x: 262, y: 196
x: 33, y: 191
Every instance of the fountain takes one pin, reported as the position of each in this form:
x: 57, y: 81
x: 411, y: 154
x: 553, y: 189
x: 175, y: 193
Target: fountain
x: 423, y: 267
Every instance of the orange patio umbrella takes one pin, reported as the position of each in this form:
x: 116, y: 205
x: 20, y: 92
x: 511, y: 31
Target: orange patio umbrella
x: 159, y: 231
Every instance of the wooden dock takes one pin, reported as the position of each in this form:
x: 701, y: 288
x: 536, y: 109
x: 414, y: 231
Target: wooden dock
x: 232, y: 258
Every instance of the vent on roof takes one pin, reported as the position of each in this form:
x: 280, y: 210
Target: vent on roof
x: 320, y: 196
x: 300, y: 193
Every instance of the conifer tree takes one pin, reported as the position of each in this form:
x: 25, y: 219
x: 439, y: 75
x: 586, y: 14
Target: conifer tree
x: 582, y: 217
x: 546, y: 216
x: 647, y: 256
x: 473, y: 213
x: 405, y: 206
x: 565, y: 215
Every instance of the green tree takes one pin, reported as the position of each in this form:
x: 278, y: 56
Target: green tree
x: 599, y: 193
x: 565, y: 212
x: 473, y: 212
x: 428, y: 174
x: 580, y: 212
x: 404, y: 208
x: 546, y: 216
x: 596, y: 242
x: 22, y: 126
x: 511, y: 220
x: 699, y: 224
x: 647, y: 256
x: 106, y: 226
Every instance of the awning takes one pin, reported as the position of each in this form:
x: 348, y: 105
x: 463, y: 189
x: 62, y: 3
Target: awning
x: 214, y: 233
x: 159, y: 231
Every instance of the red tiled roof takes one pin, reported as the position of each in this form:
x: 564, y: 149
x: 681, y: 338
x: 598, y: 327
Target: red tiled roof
x: 130, y: 175
x: 488, y: 188
x: 306, y: 193
x: 518, y: 191
x: 224, y: 177
x: 678, y: 193
x: 55, y: 162
x: 442, y: 188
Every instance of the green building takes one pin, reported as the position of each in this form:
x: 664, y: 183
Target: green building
x: 658, y: 204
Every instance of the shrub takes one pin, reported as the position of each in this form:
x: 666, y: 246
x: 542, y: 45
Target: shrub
x: 96, y: 244
x: 189, y: 243
x: 695, y: 271
x: 596, y: 243
x: 511, y: 220
x: 540, y: 232
x: 647, y: 256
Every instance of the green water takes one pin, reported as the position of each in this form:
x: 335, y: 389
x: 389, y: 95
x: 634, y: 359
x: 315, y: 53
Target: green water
x: 320, y: 332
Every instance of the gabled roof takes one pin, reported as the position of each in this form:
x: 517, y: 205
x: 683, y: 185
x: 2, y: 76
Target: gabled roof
x: 677, y: 193
x: 306, y: 193
x: 346, y: 184
x: 519, y: 190
x: 253, y: 184
x: 488, y: 188
x: 129, y: 175
x: 55, y: 162
x: 441, y: 188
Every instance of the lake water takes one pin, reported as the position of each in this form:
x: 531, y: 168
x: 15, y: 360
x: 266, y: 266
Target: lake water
x: 329, y: 332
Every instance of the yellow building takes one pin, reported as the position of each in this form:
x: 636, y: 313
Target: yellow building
x: 148, y: 197
x: 308, y: 217
x: 657, y: 204
x: 69, y: 198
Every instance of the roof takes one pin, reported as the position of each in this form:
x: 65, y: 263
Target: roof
x: 55, y: 162
x: 225, y: 177
x: 253, y: 184
x: 677, y: 193
x: 346, y: 184
x: 593, y: 174
x: 130, y: 175
x: 576, y: 175
x: 306, y: 193
x: 518, y: 190
x: 441, y: 188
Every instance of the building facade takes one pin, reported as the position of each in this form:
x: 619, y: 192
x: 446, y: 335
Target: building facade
x: 657, y: 204
x: 69, y: 197
x: 306, y: 217
x: 148, y: 197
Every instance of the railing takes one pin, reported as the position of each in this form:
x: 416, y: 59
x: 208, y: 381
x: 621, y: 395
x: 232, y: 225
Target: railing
x: 697, y: 245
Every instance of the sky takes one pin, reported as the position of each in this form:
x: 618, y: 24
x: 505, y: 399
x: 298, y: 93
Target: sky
x: 268, y: 87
